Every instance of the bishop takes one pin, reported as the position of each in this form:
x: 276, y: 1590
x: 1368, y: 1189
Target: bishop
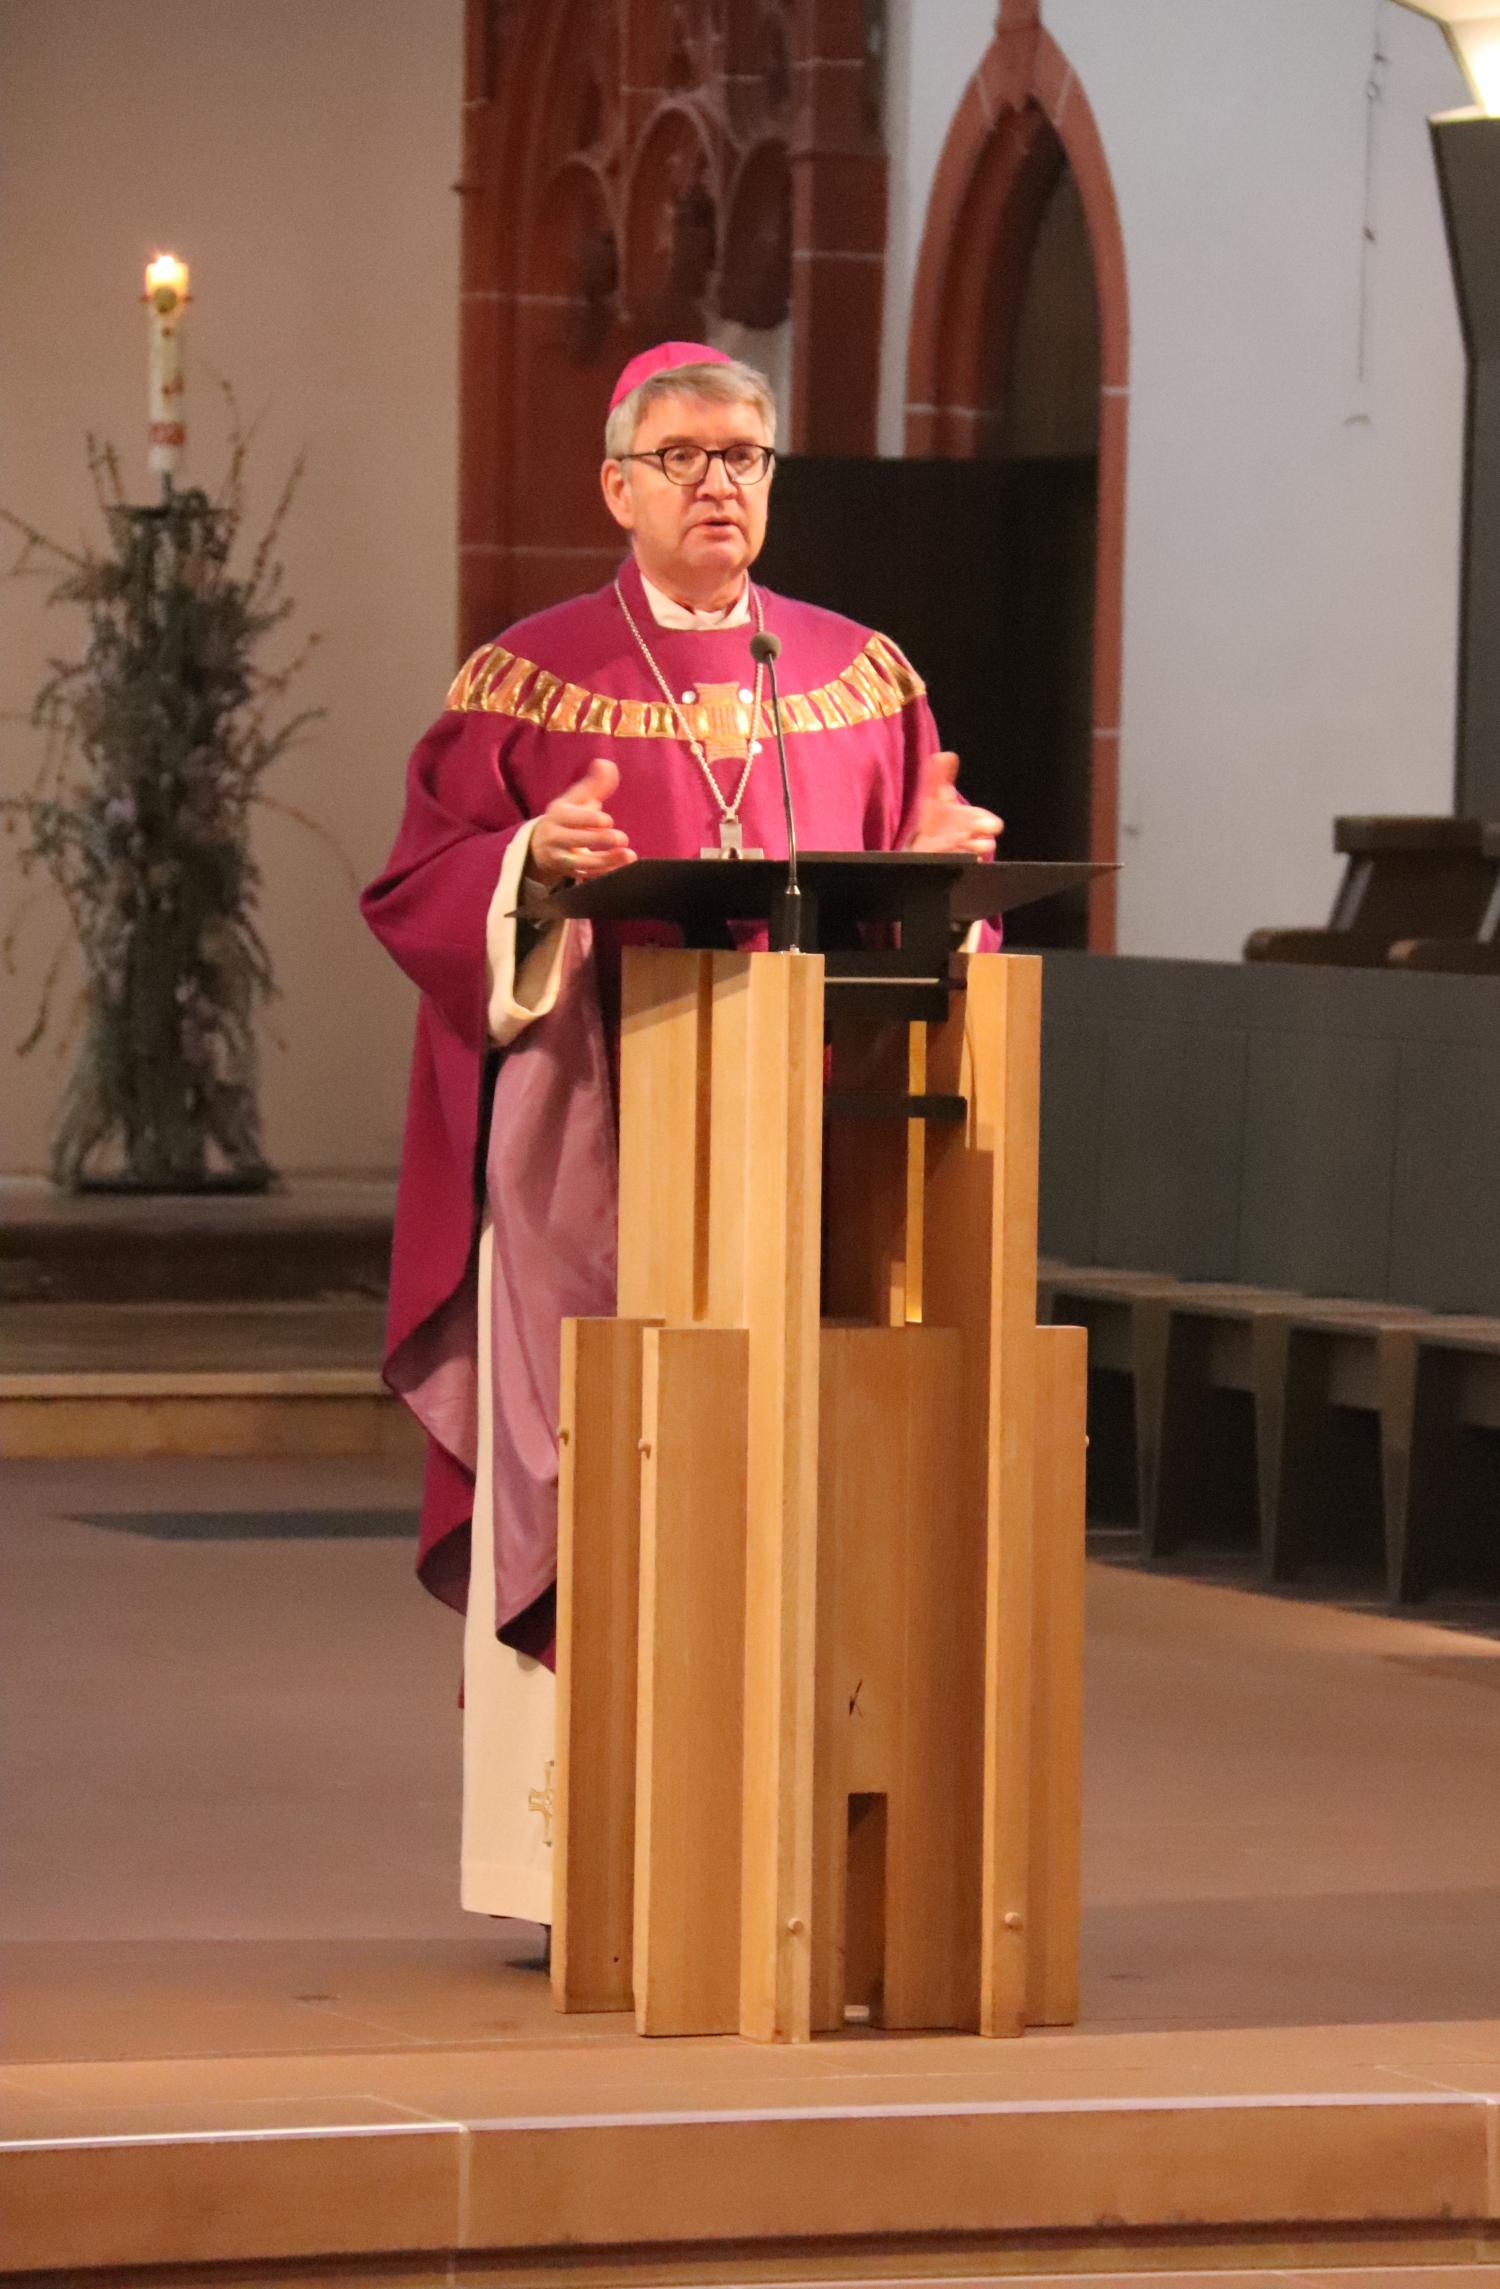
x: 628, y: 723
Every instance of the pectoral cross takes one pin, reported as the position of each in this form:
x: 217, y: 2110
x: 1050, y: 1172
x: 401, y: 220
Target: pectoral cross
x: 542, y: 1800
x: 725, y: 727
x: 731, y: 843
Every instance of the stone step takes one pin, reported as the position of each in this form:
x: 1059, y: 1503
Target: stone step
x: 316, y: 1237
x: 195, y: 1339
x: 88, y: 1380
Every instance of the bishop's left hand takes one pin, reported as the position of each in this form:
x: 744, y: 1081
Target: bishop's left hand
x: 944, y: 820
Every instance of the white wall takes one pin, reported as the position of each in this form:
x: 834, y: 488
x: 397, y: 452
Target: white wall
x: 299, y: 154
x: 932, y: 48
x: 1292, y: 528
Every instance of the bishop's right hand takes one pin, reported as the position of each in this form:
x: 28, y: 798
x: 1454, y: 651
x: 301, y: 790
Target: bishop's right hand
x: 575, y: 837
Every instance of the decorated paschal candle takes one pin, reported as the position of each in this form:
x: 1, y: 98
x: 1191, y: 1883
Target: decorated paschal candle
x: 166, y: 297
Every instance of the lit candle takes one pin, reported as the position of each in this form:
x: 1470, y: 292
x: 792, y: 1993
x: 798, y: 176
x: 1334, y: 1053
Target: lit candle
x: 166, y: 295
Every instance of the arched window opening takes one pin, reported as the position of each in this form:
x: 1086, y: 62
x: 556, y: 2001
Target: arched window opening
x: 1018, y: 370
x: 1050, y: 400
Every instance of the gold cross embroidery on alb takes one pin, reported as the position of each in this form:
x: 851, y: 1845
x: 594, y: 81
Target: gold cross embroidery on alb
x: 542, y: 1800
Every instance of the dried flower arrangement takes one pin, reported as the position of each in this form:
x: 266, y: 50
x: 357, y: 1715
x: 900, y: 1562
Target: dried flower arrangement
x: 155, y: 745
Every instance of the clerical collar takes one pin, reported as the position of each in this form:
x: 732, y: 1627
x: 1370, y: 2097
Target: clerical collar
x: 668, y: 613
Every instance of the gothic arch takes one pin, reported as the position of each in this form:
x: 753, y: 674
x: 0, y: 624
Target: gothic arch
x: 1022, y: 114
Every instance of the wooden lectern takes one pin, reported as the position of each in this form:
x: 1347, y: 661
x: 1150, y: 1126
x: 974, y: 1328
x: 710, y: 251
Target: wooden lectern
x: 821, y: 1549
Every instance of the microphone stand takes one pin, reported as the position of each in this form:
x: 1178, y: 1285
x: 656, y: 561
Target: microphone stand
x: 764, y: 649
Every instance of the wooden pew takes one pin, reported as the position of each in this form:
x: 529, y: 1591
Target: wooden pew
x: 1408, y: 882
x: 1360, y: 1442
x: 1445, y: 1507
x: 1125, y: 1316
x: 1354, y: 1445
x: 1336, y: 1458
x: 1217, y: 1420
x: 1478, y: 956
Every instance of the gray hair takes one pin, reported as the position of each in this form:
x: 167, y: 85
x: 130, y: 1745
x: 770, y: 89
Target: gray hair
x: 732, y: 384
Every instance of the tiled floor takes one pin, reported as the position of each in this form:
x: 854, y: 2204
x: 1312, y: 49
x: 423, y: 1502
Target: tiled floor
x: 220, y: 1741
x: 231, y: 1820
x: 247, y: 1741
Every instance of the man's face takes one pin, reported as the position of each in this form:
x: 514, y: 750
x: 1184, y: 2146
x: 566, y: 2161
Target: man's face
x: 695, y: 541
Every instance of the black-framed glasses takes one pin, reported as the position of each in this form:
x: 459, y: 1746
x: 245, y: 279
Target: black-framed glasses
x: 688, y: 464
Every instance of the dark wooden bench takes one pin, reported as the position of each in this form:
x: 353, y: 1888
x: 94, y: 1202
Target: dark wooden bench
x: 1203, y: 1363
x: 1337, y: 1435
x: 1125, y: 1316
x: 1409, y: 883
x: 1445, y: 1489
x: 1478, y: 956
x: 1325, y: 1437
x: 1205, y: 1450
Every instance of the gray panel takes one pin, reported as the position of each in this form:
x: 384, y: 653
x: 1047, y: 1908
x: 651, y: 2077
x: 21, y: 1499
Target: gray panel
x: 1171, y: 1123
x: 1274, y: 996
x: 1320, y: 1127
x: 1328, y: 1196
x: 1072, y: 1083
x: 1073, y: 985
x: 1136, y: 987
x: 1381, y: 1005
x: 1445, y: 1226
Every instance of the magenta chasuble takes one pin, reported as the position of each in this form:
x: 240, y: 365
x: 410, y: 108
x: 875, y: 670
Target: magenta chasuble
x: 529, y: 1130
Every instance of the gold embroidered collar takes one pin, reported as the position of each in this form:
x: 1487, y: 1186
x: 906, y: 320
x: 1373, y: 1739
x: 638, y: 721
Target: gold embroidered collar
x: 879, y: 681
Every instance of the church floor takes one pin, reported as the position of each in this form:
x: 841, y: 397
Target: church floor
x: 246, y: 2021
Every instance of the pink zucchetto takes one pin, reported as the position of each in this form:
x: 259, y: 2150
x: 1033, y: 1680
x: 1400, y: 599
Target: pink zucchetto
x: 661, y: 360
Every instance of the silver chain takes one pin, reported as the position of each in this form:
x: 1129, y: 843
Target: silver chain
x: 727, y: 810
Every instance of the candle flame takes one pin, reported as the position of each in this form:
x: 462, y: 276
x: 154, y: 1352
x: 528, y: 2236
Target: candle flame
x: 165, y: 275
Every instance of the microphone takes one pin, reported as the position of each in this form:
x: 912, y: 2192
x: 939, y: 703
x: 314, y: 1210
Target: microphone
x: 765, y: 649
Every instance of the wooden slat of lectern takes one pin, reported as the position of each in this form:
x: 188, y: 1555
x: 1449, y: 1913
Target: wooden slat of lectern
x: 663, y: 1137
x: 1057, y: 1677
x: 867, y: 1167
x: 692, y: 1635
x: 979, y: 1275
x: 900, y: 1720
x: 593, y: 1849
x: 783, y: 1196
x: 854, y: 1718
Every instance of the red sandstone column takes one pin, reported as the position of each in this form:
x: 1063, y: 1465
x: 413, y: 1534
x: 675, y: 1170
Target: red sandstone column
x: 838, y: 232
